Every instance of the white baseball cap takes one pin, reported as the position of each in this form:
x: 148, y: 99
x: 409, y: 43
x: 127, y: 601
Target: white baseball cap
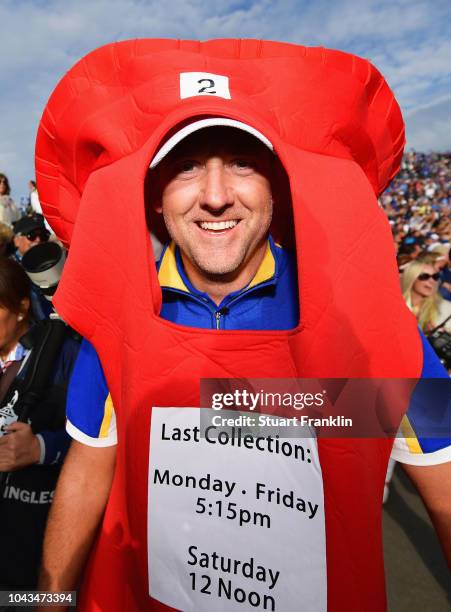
x: 200, y: 125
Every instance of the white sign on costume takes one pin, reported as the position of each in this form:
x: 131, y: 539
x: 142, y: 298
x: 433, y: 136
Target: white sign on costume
x: 204, y: 84
x: 233, y: 527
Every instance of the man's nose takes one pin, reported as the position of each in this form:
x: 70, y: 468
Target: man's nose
x: 216, y: 192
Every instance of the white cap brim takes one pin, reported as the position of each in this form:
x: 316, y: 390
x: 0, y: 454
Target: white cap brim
x: 200, y: 125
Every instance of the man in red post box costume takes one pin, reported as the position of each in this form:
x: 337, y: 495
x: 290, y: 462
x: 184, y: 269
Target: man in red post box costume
x: 192, y: 524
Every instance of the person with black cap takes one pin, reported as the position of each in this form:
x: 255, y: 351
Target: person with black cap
x: 28, y: 232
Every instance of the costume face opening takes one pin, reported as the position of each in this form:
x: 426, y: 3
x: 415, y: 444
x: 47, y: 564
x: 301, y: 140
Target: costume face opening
x: 214, y: 195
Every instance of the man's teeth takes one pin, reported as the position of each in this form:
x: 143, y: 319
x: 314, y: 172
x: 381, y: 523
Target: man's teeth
x: 217, y: 225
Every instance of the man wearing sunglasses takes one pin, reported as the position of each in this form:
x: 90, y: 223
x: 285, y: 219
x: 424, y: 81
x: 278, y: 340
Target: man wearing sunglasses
x: 28, y: 232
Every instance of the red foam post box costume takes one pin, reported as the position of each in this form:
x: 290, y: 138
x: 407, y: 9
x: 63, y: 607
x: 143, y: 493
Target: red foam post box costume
x: 338, y: 131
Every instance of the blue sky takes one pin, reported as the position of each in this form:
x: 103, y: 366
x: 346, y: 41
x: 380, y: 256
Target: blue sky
x: 408, y: 40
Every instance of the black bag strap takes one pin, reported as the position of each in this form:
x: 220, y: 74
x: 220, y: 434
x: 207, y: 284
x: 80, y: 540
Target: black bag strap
x: 40, y: 368
x: 439, y: 325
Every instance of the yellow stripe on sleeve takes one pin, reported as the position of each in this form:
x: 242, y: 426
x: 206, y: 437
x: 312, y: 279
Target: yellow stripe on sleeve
x: 410, y: 436
x: 107, y: 416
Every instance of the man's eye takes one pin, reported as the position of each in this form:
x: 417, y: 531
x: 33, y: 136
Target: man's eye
x: 243, y: 165
x: 187, y: 166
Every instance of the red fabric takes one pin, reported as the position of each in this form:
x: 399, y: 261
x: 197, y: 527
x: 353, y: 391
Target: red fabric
x: 105, y: 108
x: 338, y: 131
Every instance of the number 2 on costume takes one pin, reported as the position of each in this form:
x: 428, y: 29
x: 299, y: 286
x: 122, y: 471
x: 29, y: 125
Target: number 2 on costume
x: 205, y: 89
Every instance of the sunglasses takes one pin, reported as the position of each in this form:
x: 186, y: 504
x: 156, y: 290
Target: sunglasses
x: 32, y: 235
x: 425, y: 276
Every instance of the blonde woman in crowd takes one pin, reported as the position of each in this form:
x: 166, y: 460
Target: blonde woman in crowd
x: 419, y: 283
x: 8, y: 209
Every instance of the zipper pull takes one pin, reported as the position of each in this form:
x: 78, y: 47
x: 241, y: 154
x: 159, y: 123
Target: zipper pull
x: 218, y: 314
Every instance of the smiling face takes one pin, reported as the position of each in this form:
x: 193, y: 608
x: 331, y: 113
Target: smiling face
x: 215, y: 196
x: 425, y: 285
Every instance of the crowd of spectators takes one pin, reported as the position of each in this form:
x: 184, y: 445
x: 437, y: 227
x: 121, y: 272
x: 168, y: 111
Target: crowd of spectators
x: 418, y: 204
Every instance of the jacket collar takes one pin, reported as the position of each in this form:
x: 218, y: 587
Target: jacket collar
x: 172, y: 276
